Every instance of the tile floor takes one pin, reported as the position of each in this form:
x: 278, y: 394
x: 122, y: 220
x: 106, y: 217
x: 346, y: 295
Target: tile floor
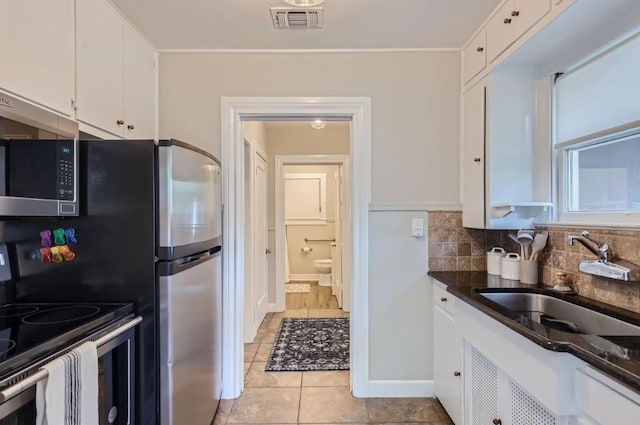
x: 313, y: 397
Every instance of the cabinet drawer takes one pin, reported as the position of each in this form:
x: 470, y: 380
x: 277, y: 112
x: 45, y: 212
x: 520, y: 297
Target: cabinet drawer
x: 602, y: 403
x: 444, y: 299
x: 474, y: 57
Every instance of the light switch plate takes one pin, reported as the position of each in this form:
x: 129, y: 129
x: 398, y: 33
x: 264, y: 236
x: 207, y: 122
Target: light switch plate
x: 417, y: 227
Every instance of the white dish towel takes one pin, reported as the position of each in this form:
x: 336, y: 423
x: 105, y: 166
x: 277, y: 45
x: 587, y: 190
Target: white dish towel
x: 69, y: 396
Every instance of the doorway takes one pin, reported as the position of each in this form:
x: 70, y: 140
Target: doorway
x: 234, y: 112
x: 301, y: 235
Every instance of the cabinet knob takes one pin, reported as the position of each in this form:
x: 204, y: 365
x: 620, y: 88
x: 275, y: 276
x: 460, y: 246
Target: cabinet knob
x: 515, y: 13
x: 456, y: 373
x: 480, y: 49
x: 497, y: 421
x: 476, y: 159
x: 131, y: 127
x: 120, y: 122
x: 443, y: 299
x: 507, y: 20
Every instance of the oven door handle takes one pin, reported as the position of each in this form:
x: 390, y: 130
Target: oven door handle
x: 41, y: 374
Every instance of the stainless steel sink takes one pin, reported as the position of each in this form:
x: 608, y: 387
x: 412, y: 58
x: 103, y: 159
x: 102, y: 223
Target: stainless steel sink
x: 561, y: 314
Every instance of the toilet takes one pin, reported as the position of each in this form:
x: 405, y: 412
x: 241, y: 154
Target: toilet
x: 323, y: 266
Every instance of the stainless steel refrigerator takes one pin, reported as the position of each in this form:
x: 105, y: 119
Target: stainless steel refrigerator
x: 189, y: 277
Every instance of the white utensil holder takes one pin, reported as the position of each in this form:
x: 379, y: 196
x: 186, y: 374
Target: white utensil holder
x: 529, y: 272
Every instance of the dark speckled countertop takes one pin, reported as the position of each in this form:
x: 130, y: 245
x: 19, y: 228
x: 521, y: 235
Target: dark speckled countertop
x: 464, y: 284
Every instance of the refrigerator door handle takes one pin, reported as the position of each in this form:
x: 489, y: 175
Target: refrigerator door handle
x: 177, y: 266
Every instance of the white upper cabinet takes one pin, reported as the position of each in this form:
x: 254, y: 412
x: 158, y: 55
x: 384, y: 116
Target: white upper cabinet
x: 116, y: 76
x: 473, y: 161
x: 99, y: 64
x: 511, y: 21
x: 37, y: 48
x: 474, y: 56
x: 139, y: 86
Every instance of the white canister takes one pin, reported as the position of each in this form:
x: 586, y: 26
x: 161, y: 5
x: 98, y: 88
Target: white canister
x: 511, y: 266
x: 494, y: 258
x: 529, y: 272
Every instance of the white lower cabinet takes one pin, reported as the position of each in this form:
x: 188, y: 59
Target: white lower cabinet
x: 602, y: 401
x: 488, y: 374
x: 447, y: 360
x: 494, y: 398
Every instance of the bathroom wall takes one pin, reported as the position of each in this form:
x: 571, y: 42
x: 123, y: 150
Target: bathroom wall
x: 454, y: 248
x: 302, y: 262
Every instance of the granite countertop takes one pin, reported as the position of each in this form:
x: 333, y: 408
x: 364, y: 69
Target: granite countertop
x: 464, y: 284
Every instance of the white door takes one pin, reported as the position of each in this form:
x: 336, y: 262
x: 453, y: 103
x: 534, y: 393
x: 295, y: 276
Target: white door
x: 261, y: 270
x: 336, y: 261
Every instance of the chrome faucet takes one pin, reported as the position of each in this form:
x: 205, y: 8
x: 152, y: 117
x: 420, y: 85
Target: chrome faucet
x: 602, y: 250
x: 620, y: 270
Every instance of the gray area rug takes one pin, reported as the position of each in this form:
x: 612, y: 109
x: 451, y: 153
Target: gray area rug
x: 310, y: 344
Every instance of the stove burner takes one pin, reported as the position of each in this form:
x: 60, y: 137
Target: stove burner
x: 6, y: 345
x: 61, y: 315
x: 16, y: 310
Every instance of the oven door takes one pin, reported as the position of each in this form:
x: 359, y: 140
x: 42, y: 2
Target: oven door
x: 115, y: 384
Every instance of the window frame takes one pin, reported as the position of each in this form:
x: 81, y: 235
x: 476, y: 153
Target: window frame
x: 562, y: 179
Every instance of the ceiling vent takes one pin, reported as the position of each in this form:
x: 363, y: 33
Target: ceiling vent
x: 295, y: 17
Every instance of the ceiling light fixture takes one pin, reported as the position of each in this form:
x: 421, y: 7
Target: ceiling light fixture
x: 304, y: 3
x: 318, y: 124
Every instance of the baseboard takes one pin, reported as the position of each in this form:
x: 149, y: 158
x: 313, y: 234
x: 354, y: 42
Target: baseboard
x: 304, y: 277
x: 392, y: 388
x: 273, y: 308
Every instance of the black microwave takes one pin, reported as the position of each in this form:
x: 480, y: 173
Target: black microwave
x: 38, y: 177
x: 38, y: 161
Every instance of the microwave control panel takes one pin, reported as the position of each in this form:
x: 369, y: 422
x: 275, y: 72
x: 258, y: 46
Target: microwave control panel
x: 66, y: 170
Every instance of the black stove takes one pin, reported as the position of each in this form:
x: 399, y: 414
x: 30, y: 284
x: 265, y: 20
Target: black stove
x: 31, y: 332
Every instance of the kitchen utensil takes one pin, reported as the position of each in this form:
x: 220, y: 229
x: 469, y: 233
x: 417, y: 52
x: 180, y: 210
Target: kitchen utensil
x: 494, y: 257
x: 524, y: 239
x: 539, y: 242
x: 510, y: 266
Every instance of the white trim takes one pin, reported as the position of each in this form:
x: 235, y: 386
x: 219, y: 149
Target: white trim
x: 278, y: 51
x: 233, y: 111
x: 300, y: 277
x: 432, y: 206
x: 280, y: 162
x: 392, y: 388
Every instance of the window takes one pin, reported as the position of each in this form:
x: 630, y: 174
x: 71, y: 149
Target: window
x: 597, y: 137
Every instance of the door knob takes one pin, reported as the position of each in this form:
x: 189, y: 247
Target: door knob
x: 267, y: 251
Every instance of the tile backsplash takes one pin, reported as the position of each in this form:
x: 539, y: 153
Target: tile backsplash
x: 454, y: 248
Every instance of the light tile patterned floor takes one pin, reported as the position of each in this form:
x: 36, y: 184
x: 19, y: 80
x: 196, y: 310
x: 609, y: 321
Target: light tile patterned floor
x: 313, y: 397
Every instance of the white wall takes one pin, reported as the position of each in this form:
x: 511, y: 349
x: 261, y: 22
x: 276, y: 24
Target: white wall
x: 415, y: 133
x: 256, y: 133
x: 401, y: 331
x: 415, y: 98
